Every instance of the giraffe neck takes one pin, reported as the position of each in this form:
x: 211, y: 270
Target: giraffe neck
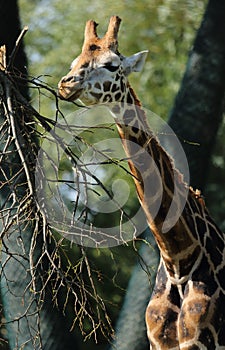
x: 156, y: 179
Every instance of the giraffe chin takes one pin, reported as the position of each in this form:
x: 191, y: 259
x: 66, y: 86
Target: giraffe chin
x: 71, y: 96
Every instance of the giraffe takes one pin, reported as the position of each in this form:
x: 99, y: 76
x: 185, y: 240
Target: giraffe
x: 186, y: 309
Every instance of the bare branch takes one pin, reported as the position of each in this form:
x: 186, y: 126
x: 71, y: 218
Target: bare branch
x: 16, y: 47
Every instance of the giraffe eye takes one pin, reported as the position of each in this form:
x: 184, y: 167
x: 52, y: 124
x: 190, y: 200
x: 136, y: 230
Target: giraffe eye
x: 94, y: 47
x: 109, y: 67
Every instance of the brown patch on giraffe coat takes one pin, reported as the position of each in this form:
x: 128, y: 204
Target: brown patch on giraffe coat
x: 114, y: 88
x: 96, y: 95
x: 194, y: 311
x: 161, y: 319
x: 207, y: 338
x: 97, y: 86
x: 186, y: 264
x: 167, y: 333
x: 122, y: 85
x: 116, y: 110
x: 107, y: 98
x: 118, y: 96
x: 130, y: 99
x: 117, y: 77
x: 106, y: 86
x: 192, y: 347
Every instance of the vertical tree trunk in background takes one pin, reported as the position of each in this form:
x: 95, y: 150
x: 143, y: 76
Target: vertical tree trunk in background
x: 198, y: 107
x: 195, y: 118
x: 9, y: 32
x: 28, y: 328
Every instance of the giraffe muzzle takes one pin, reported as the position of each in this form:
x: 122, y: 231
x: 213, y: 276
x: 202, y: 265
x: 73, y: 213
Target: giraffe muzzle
x: 70, y: 88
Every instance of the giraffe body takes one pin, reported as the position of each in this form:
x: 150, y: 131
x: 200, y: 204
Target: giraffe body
x: 187, y: 307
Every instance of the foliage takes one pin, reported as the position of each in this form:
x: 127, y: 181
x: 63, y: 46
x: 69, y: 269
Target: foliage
x: 166, y: 28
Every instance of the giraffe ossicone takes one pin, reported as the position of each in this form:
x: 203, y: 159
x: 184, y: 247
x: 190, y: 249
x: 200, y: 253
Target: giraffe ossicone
x: 186, y: 310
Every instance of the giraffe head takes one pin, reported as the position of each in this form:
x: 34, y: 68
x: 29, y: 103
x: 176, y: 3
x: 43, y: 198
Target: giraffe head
x: 99, y: 73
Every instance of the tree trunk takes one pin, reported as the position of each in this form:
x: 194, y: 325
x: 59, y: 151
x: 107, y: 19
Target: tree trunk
x: 9, y: 31
x: 195, y: 118
x: 30, y: 324
x: 198, y: 107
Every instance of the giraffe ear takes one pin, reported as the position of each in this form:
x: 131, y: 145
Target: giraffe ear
x: 135, y: 62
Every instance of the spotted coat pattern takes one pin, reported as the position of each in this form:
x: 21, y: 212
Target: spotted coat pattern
x: 187, y: 308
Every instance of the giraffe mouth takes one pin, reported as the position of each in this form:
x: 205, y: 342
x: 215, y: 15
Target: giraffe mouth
x: 69, y: 92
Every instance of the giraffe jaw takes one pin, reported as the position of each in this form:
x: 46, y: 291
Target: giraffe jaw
x: 72, y: 92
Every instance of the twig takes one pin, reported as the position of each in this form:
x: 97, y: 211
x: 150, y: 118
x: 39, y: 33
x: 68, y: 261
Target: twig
x: 16, y: 47
x: 2, y: 57
x: 16, y: 138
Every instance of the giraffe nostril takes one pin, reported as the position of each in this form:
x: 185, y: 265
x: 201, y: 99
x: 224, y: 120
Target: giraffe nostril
x: 68, y: 79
